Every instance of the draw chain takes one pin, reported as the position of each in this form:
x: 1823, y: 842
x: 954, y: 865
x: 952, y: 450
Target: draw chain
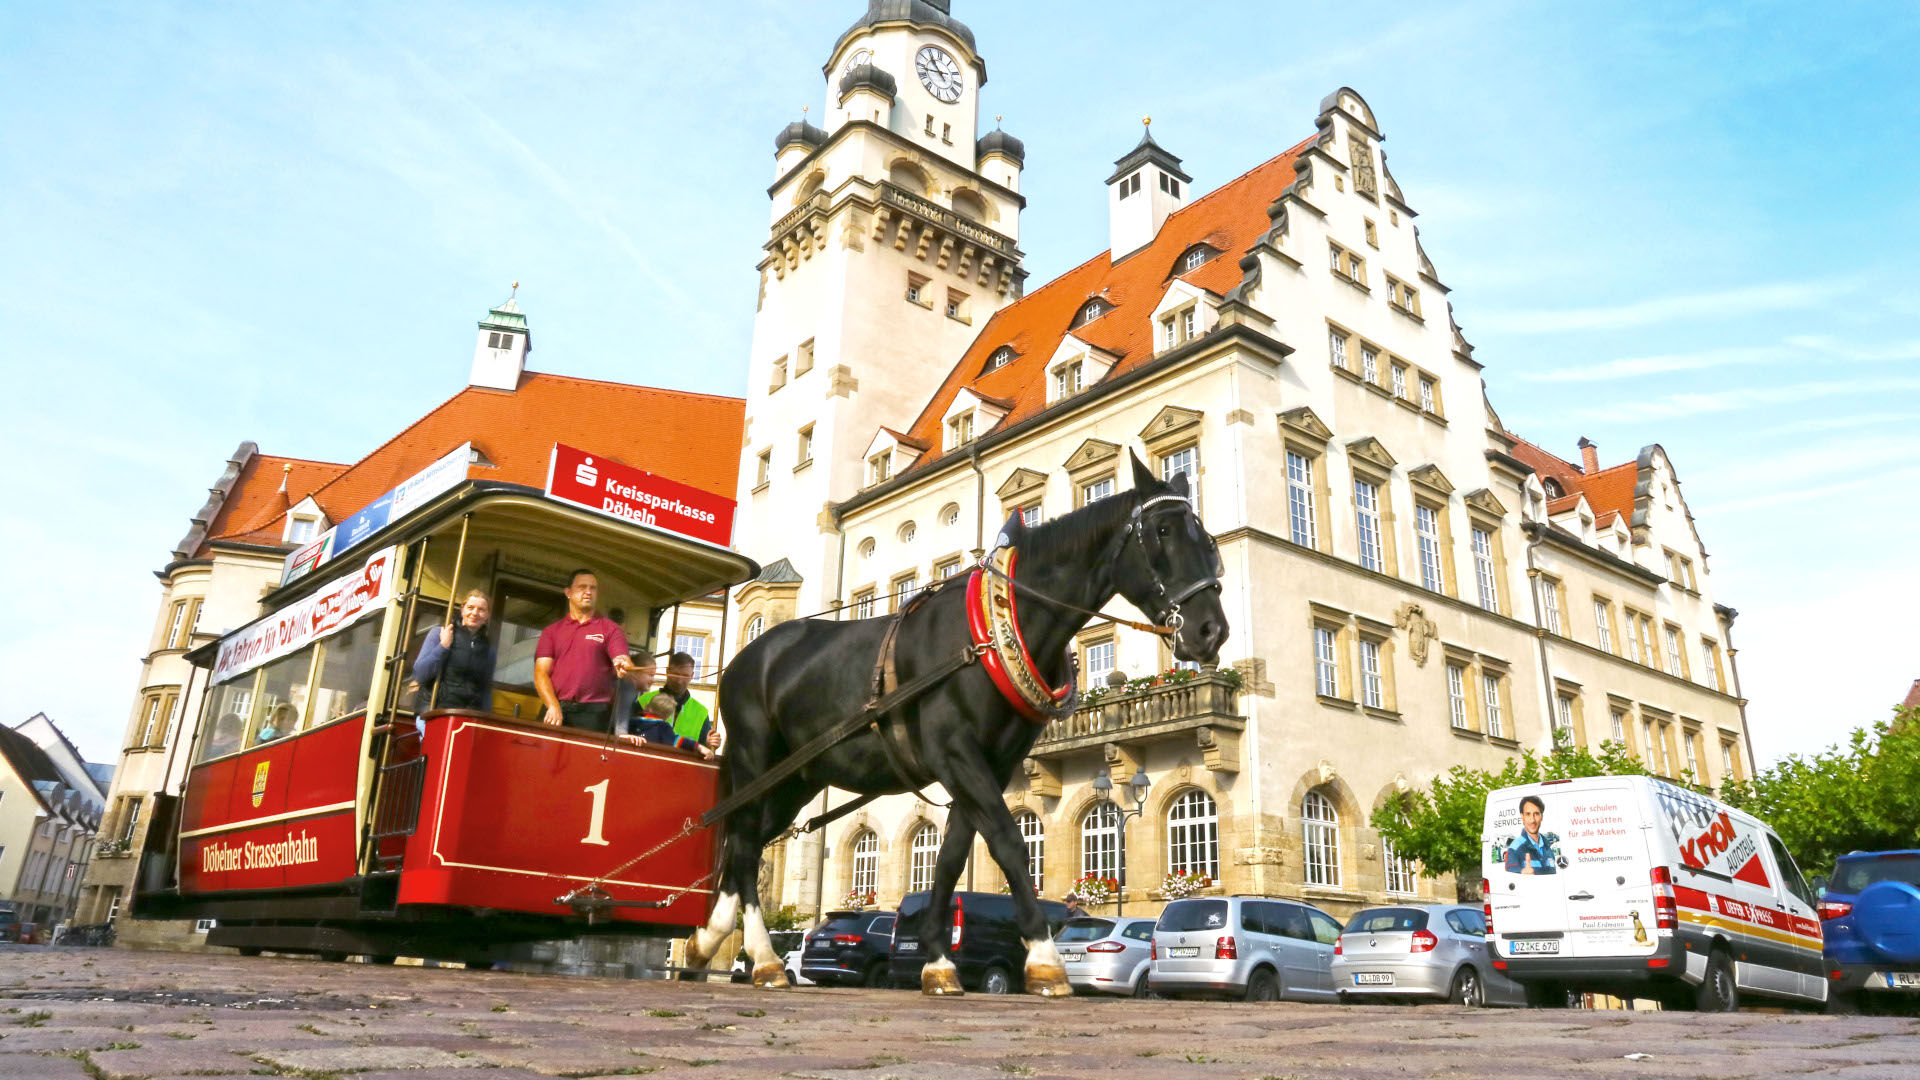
x: 687, y: 828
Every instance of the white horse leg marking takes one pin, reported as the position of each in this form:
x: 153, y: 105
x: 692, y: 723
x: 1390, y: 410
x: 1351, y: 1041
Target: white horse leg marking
x: 707, y: 939
x: 1042, y: 952
x: 767, y: 969
x: 942, y: 964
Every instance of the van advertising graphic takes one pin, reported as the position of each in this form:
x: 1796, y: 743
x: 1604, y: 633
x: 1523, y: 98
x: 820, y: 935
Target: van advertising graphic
x: 1520, y: 845
x: 1710, y: 838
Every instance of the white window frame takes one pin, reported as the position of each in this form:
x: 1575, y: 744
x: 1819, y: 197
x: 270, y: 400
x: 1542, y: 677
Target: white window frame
x: 1337, y: 347
x: 1030, y: 516
x: 924, y: 853
x: 1366, y: 514
x: 1102, y: 848
x: 1457, y: 696
x: 1619, y: 725
x: 1101, y: 661
x: 1426, y: 530
x: 1326, y: 662
x: 1490, y: 703
x: 1300, y: 508
x: 1550, y: 603
x: 1603, y: 624
x: 1674, y: 666
x: 1402, y: 880
x: 1483, y: 568
x: 1193, y: 834
x: 756, y: 626
x: 1399, y: 382
x: 1563, y: 713
x: 1033, y: 838
x: 1184, y: 460
x: 866, y: 862
x: 694, y: 645
x: 1369, y: 363
x: 1372, y: 688
x: 1096, y: 490
x: 1320, y: 835
x: 1426, y: 394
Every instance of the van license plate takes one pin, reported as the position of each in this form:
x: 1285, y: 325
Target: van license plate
x: 1905, y: 980
x: 1373, y: 978
x: 907, y: 946
x: 1183, y: 953
x: 1521, y: 948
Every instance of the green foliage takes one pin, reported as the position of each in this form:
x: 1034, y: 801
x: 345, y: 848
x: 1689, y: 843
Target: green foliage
x: 1440, y: 826
x: 786, y: 917
x: 1862, y: 795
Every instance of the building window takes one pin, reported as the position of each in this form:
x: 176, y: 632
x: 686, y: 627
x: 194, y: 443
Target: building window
x: 1170, y: 185
x: 1030, y: 516
x: 1636, y: 648
x: 1403, y: 296
x: 763, y: 470
x: 1001, y: 357
x: 1300, y: 513
x: 1483, y: 569
x: 1490, y: 692
x: 1190, y: 323
x: 1321, y: 831
x: 1426, y: 529
x: 694, y: 645
x: 1091, y: 310
x: 300, y: 530
x: 1710, y: 665
x: 944, y: 570
x: 149, y: 716
x: 950, y: 514
x: 1347, y: 264
x: 1366, y: 510
x: 879, y: 467
x: 806, y: 445
x: 756, y: 626
x: 175, y: 626
x: 1372, y: 692
x: 1033, y: 837
x: 1563, y: 715
x: 1619, y: 730
x: 1549, y: 602
x: 866, y: 862
x: 917, y: 290
x: 803, y: 358
x: 1066, y: 380
x: 1426, y: 395
x: 1195, y: 258
x: 1676, y: 663
x: 907, y: 532
x: 1101, y: 852
x: 779, y: 378
x: 1326, y: 662
x: 130, y: 823
x: 1400, y: 381
x: 1688, y: 740
x: 1401, y: 879
x: 1096, y: 490
x: 903, y: 589
x: 1603, y: 623
x: 863, y: 604
x: 925, y: 852
x: 113, y: 909
x: 956, y: 305
x: 1337, y: 348
x: 1193, y: 835
x: 1728, y: 771
x: 1369, y: 363
x: 1457, y: 696
x: 1099, y: 663
x: 1185, y: 460
x: 1130, y: 185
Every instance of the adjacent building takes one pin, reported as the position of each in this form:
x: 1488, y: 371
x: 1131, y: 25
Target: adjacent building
x: 1411, y: 584
x: 50, y: 805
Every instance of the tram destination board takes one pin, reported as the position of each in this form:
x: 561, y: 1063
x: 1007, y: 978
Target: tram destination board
x: 606, y: 486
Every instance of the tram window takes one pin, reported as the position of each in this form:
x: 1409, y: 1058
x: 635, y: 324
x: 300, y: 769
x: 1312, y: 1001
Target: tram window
x: 227, y: 711
x: 347, y: 660
x: 525, y: 610
x: 282, y: 683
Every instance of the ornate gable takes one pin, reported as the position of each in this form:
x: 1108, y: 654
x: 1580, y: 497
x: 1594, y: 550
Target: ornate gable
x: 1430, y: 477
x: 1303, y: 424
x: 1368, y: 449
x: 1021, y: 482
x: 1170, y: 424
x: 1482, y: 499
x: 1091, y: 453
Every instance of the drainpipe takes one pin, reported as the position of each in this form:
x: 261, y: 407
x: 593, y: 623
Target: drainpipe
x: 1536, y: 531
x: 1727, y: 615
x: 979, y: 506
x: 820, y: 842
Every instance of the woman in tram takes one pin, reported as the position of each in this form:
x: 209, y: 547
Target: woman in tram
x: 460, y: 660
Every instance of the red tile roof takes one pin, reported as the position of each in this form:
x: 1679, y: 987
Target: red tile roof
x: 1229, y: 219
x: 1609, y: 491
x: 692, y: 438
x: 253, y: 509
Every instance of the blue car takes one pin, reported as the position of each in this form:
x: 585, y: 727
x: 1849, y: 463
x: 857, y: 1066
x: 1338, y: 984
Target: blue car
x: 1870, y: 914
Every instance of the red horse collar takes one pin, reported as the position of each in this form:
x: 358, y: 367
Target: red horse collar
x: 1003, y: 652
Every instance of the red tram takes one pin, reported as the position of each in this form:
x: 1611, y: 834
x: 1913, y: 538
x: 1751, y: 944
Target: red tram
x: 328, y: 811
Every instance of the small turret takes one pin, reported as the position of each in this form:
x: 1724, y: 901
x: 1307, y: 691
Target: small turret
x: 500, y: 354
x: 1146, y: 187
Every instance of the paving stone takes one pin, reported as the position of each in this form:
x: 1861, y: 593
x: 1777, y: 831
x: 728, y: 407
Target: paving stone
x: 356, y: 1058
x: 154, y: 1060
x: 40, y: 1067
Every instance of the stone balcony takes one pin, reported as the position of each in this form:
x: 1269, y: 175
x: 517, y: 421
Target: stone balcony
x: 1202, y: 711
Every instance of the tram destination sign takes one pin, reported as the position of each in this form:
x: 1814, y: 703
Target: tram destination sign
x: 622, y: 491
x: 340, y: 604
x: 413, y: 493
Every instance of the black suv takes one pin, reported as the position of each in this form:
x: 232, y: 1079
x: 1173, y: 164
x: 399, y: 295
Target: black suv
x: 9, y: 921
x: 985, y: 940
x: 849, y: 948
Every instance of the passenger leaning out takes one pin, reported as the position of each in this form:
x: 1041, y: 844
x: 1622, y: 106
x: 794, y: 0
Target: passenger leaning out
x: 458, y: 660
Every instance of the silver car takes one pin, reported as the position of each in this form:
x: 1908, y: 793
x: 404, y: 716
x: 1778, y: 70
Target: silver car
x: 1253, y: 947
x: 1432, y: 953
x: 1106, y: 956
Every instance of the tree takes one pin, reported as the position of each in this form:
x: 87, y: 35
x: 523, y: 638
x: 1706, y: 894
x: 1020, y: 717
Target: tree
x: 1862, y: 795
x: 1440, y: 826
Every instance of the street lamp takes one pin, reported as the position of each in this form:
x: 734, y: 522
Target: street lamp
x: 1137, y: 787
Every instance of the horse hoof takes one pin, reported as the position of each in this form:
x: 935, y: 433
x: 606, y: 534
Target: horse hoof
x: 771, y: 975
x: 940, y: 982
x: 1048, y: 981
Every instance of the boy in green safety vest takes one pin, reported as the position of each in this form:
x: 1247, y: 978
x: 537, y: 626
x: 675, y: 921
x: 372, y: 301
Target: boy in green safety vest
x: 691, y: 724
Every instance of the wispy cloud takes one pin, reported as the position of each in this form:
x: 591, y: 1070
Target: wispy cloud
x: 1695, y: 307
x: 1797, y: 347
x: 1721, y: 401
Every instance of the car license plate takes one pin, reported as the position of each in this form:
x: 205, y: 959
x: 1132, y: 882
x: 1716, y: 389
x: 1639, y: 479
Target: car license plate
x: 1072, y: 956
x: 907, y: 946
x: 1373, y: 978
x: 1183, y: 952
x: 1520, y: 948
x: 1905, y: 980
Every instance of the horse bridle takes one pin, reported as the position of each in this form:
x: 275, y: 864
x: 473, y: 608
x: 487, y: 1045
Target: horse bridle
x: 1136, y: 530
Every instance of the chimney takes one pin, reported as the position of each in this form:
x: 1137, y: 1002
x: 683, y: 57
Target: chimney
x: 1146, y: 187
x: 1589, y: 456
x: 500, y: 354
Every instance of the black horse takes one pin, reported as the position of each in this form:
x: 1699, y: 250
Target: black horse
x: 798, y: 678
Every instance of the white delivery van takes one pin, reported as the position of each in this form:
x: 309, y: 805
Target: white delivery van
x: 1631, y: 886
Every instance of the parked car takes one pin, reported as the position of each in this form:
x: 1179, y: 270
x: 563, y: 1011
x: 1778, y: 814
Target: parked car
x: 1629, y: 885
x: 10, y: 926
x: 1870, y: 911
x: 849, y: 948
x: 1432, y: 953
x: 984, y: 940
x: 1107, y: 956
x: 786, y: 943
x: 1253, y: 947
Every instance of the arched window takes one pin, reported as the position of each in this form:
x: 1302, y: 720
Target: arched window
x: 907, y: 532
x: 1101, y: 852
x: 950, y: 514
x: 756, y: 626
x: 926, y: 849
x: 1400, y: 876
x: 1193, y: 835
x: 1196, y: 256
x: 1034, y: 836
x: 1091, y: 310
x: 866, y: 861
x: 908, y: 175
x: 1321, y: 823
x: 1001, y: 357
x: 810, y: 185
x: 866, y: 548
x: 969, y: 205
x: 1552, y: 488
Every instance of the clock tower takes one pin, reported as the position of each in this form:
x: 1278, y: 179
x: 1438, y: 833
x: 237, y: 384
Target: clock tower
x: 893, y: 237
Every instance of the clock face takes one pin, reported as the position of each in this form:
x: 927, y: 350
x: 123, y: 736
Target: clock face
x: 860, y: 56
x: 940, y: 73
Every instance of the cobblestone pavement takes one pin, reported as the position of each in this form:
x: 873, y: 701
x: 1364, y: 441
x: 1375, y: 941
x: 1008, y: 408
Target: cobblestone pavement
x: 105, y: 1014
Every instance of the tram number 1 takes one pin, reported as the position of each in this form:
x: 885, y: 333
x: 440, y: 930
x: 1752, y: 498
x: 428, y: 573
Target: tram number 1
x: 599, y: 816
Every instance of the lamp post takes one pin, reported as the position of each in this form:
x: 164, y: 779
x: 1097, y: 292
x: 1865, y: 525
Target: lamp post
x: 1137, y: 787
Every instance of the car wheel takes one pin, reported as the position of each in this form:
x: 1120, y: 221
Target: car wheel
x: 1717, y: 992
x: 1844, y: 1003
x: 1143, y: 987
x: 1468, y: 989
x: 996, y: 981
x: 876, y: 976
x: 1262, y: 986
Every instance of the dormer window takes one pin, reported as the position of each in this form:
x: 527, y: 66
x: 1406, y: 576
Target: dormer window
x: 1169, y: 185
x: 959, y: 430
x: 498, y: 340
x: 1130, y: 186
x: 1553, y: 488
x: 1001, y: 357
x: 1066, y: 379
x: 1179, y: 327
x: 300, y: 530
x: 879, y: 468
x: 1195, y: 258
x: 1091, y: 310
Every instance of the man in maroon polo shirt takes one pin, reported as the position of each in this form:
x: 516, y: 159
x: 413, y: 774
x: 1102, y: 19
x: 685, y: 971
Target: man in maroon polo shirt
x: 578, y: 659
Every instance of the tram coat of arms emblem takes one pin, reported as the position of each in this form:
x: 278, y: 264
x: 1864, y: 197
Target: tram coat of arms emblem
x: 260, y: 783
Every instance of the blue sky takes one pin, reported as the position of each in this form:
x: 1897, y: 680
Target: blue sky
x: 1684, y: 224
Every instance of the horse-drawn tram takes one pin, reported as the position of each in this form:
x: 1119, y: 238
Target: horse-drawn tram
x: 332, y: 808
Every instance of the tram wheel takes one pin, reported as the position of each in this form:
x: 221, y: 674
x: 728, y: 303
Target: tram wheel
x: 333, y: 957
x: 249, y: 950
x: 381, y: 958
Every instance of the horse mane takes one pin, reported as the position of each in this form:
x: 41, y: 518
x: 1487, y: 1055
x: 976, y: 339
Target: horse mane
x: 1080, y: 535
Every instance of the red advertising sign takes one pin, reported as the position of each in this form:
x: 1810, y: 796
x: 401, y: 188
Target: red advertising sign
x: 333, y: 608
x: 630, y: 494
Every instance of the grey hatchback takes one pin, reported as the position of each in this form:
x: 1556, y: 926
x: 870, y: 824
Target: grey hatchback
x: 1253, y: 947
x: 1106, y: 956
x: 1433, y: 953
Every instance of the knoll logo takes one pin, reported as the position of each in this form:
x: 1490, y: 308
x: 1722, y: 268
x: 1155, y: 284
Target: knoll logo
x: 260, y: 783
x: 1710, y: 843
